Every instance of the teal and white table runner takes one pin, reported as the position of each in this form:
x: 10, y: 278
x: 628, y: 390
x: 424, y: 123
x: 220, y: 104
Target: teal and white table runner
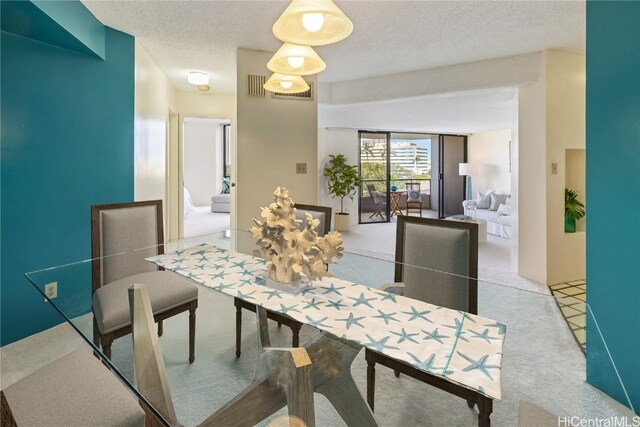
x: 463, y: 348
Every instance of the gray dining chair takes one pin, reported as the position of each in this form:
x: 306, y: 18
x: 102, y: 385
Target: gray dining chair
x: 436, y: 262
x: 122, y: 236
x: 75, y: 390
x: 283, y: 376
x: 321, y: 213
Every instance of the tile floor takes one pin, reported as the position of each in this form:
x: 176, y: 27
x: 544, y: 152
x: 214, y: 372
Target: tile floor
x: 571, y: 298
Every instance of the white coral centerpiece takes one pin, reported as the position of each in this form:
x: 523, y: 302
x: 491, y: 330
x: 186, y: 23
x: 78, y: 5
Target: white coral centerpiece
x: 293, y: 251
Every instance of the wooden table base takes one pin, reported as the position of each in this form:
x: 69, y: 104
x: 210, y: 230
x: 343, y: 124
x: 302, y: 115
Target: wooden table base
x: 331, y: 360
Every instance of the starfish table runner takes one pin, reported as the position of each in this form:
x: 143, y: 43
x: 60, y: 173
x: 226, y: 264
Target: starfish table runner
x: 462, y: 348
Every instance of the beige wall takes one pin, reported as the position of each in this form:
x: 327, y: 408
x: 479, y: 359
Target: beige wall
x: 154, y: 97
x: 489, y: 151
x: 551, y: 119
x: 337, y: 141
x: 272, y: 136
x: 218, y: 106
x: 566, y: 84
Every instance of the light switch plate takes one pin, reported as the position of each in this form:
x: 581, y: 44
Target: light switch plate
x: 554, y: 168
x: 301, y: 168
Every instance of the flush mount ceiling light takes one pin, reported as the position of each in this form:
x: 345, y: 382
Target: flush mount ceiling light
x: 312, y: 23
x: 298, y: 60
x: 283, y: 83
x: 197, y: 78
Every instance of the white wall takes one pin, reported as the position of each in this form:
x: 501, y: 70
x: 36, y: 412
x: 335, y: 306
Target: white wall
x: 489, y: 153
x: 532, y: 189
x: 202, y: 145
x: 272, y: 136
x: 551, y: 119
x: 337, y: 141
x: 154, y: 97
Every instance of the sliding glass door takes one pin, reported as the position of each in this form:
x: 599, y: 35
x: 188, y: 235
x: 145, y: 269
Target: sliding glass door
x: 448, y: 194
x: 391, y: 162
x: 375, y: 174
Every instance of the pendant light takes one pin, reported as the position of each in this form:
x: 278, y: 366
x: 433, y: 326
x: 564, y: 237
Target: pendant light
x: 283, y: 83
x: 312, y: 23
x: 298, y: 60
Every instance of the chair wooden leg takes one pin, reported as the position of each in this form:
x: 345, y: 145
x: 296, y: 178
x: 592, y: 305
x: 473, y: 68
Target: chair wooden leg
x: 192, y: 334
x: 485, y: 407
x: 371, y: 379
x: 160, y: 329
x: 238, y: 328
x: 106, y: 347
x: 96, y: 332
x: 295, y: 330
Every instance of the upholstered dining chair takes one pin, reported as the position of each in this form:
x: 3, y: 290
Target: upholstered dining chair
x: 436, y: 261
x: 414, y: 198
x: 283, y: 376
x: 322, y: 214
x: 379, y: 202
x: 122, y: 236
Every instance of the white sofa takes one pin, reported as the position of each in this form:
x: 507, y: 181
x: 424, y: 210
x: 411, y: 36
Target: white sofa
x: 497, y: 224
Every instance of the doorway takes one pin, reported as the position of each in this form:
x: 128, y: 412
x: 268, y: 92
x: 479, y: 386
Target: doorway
x: 392, y: 162
x: 205, y: 163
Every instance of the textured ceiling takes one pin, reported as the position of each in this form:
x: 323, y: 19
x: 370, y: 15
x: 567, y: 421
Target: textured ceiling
x: 388, y: 37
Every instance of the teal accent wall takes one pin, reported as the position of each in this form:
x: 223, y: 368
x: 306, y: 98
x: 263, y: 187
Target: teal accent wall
x: 65, y: 24
x: 67, y: 143
x: 613, y: 197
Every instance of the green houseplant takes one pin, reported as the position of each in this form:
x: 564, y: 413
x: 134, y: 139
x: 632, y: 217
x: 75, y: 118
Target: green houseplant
x: 573, y: 210
x: 343, y: 181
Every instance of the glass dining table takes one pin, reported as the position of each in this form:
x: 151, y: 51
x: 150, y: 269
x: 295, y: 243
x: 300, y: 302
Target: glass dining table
x: 451, y: 367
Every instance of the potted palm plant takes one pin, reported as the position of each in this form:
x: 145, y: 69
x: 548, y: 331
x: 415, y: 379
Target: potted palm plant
x: 343, y: 181
x: 573, y: 210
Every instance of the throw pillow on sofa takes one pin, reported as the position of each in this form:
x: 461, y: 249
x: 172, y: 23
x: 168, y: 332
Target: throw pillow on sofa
x: 497, y: 200
x: 483, y: 201
x: 504, y: 209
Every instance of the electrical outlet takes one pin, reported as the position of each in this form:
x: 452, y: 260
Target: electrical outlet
x: 51, y: 290
x: 301, y: 168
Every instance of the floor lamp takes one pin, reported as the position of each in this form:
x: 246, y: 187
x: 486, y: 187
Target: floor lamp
x: 465, y: 169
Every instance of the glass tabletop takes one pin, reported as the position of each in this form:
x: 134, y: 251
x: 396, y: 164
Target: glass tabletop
x: 539, y: 361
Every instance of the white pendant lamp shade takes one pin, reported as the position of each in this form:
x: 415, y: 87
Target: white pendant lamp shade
x: 283, y: 83
x: 197, y: 78
x: 312, y: 23
x: 298, y: 60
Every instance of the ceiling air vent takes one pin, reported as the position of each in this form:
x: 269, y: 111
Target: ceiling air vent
x: 255, y: 85
x: 302, y: 96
